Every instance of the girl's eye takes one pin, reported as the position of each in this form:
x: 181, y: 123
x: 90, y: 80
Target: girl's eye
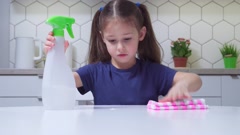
x: 111, y: 41
x: 126, y: 39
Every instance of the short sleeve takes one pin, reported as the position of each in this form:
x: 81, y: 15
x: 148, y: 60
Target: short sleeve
x: 86, y: 76
x: 165, y: 77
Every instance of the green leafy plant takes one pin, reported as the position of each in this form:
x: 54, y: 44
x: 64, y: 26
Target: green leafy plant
x: 229, y: 50
x: 180, y: 48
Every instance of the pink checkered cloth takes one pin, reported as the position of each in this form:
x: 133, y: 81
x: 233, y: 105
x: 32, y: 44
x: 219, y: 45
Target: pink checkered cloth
x: 193, y: 104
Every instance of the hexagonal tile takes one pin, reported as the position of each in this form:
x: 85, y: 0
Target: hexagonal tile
x: 11, y: 65
x: 36, y: 16
x: 96, y: 8
x: 139, y: 1
x: 69, y: 2
x: 42, y: 31
x: 210, y: 51
x: 157, y: 2
x: 76, y: 32
x: 152, y: 11
x: 20, y: 30
x: 167, y: 56
x: 212, y: 13
x: 196, y: 52
x: 238, y: 65
x: 190, y: 13
x: 171, y: 65
x: 223, y: 2
x: 223, y: 35
x: 86, y: 32
x: 201, y: 64
x: 106, y: 1
x: 58, y: 9
x: 238, y: 1
x: 164, y: 63
x: 91, y: 2
x: 161, y: 31
x: 179, y: 2
x: 81, y: 12
x: 231, y: 13
x: 80, y: 51
x: 12, y: 46
x: 76, y: 64
x: 179, y: 29
x: 237, y: 32
x: 219, y: 64
x: 11, y: 32
x: 17, y: 13
x: 47, y: 2
x: 168, y: 13
x: 201, y: 32
x: 201, y: 2
x: 25, y: 2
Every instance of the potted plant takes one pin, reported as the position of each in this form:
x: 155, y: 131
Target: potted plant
x: 230, y: 55
x: 180, y: 51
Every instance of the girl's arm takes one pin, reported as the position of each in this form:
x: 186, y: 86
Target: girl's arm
x: 183, y: 84
x: 77, y: 80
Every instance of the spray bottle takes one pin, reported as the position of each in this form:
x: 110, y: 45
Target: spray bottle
x: 58, y: 86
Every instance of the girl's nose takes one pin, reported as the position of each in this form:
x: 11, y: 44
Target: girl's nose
x: 120, y: 46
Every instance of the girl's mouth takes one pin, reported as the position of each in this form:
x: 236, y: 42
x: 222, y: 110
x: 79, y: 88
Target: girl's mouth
x: 122, y: 55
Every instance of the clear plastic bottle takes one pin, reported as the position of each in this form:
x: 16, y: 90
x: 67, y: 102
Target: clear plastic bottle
x: 58, y: 86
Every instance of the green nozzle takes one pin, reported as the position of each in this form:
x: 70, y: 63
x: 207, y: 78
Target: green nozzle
x: 59, y: 23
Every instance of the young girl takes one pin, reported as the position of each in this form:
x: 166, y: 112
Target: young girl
x: 125, y: 61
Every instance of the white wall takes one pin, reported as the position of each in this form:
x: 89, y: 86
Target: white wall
x: 208, y: 24
x: 4, y: 38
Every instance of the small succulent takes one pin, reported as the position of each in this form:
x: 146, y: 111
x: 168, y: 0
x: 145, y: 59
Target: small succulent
x: 180, y: 48
x: 229, y: 50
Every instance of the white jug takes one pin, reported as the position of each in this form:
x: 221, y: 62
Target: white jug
x: 25, y: 52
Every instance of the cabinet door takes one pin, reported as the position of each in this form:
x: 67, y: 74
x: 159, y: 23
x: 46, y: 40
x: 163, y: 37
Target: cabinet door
x: 20, y: 86
x: 231, y: 90
x: 19, y: 101
x: 210, y: 90
x: 211, y: 86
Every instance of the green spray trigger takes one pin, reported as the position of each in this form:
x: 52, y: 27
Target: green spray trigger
x: 59, y: 23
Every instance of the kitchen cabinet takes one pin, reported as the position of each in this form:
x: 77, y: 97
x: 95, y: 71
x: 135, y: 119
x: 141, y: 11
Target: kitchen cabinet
x: 20, y: 90
x: 20, y: 101
x: 26, y: 90
x: 23, y: 86
x: 231, y: 90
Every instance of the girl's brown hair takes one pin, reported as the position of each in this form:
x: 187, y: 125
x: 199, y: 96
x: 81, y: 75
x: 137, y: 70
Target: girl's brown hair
x: 137, y: 14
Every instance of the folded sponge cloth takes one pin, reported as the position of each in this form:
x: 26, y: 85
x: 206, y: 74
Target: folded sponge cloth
x: 192, y: 104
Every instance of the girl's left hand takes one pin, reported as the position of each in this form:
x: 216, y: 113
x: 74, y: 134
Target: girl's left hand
x: 177, y: 92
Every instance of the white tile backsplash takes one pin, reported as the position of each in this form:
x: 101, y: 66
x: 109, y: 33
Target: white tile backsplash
x: 208, y: 24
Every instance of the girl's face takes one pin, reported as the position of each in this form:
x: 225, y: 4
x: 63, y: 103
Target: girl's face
x: 122, y: 40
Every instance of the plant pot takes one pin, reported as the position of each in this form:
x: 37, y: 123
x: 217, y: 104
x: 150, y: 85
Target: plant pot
x: 180, y: 61
x: 230, y: 62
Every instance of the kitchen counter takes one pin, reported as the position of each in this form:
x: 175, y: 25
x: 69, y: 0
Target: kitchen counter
x: 119, y: 120
x: 39, y: 71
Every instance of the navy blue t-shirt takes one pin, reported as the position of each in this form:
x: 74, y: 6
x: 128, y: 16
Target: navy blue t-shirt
x: 134, y: 86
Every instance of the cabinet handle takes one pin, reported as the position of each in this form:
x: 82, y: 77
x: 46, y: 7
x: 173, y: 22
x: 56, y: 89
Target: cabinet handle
x: 234, y: 76
x: 40, y: 76
x: 39, y: 99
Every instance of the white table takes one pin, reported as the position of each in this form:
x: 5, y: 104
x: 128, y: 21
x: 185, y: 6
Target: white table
x: 119, y: 120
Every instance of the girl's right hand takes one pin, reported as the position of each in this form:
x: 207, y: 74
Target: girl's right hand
x: 49, y: 44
